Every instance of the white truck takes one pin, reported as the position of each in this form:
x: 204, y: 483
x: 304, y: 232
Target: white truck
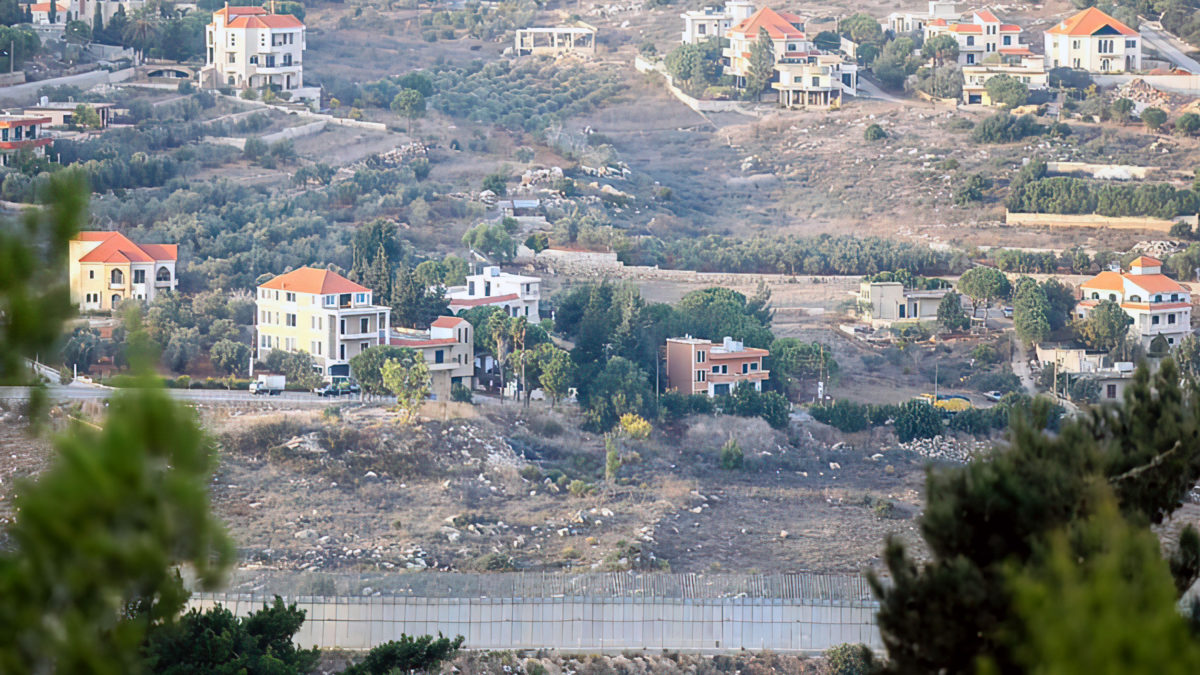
x: 268, y: 384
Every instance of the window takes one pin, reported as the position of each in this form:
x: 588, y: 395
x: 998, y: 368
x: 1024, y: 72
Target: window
x: 1170, y: 341
x: 745, y: 368
x: 290, y: 344
x: 753, y: 367
x: 700, y: 376
x: 1074, y: 44
x: 270, y: 61
x: 263, y: 317
x: 1131, y: 44
x: 1095, y: 296
x: 364, y: 325
x: 1158, y: 298
x: 816, y: 82
x: 232, y: 58
x: 701, y: 357
x: 1174, y: 297
x: 970, y: 40
x: 1154, y: 321
x: 265, y: 342
x: 1135, y: 298
x: 1106, y: 46
x: 290, y: 297
x: 17, y: 131
x: 291, y: 320
x: 363, y: 346
x: 163, y: 274
x: 1007, y: 40
x: 1111, y: 391
x: 1170, y: 318
x: 1074, y: 63
x: 342, y: 351
x: 970, y: 59
x: 716, y: 369
x: 439, y: 356
x: 360, y: 298
x: 117, y: 277
x: 342, y: 327
x: 318, y: 347
x: 139, y: 276
x: 330, y: 300
x: 471, y: 288
x: 1112, y: 296
x: 91, y: 274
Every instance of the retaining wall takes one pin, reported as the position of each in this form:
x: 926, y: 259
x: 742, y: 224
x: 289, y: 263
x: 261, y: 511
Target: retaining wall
x: 644, y: 66
x: 576, y: 624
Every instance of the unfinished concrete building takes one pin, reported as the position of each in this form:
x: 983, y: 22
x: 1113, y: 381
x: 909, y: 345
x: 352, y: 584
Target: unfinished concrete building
x: 577, y: 38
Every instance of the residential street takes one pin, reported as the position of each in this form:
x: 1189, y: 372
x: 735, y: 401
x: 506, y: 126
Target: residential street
x: 1169, y: 46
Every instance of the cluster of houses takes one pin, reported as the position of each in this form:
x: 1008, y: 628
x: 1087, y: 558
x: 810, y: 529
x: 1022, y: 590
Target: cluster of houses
x: 804, y: 76
x: 987, y: 46
x: 1161, y: 308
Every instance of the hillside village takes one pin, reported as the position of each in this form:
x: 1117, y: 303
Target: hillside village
x: 618, y: 295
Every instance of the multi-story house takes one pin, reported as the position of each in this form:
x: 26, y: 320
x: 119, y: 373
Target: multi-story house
x: 40, y: 13
x: 803, y: 75
x: 1095, y: 42
x: 251, y: 48
x: 787, y: 38
x: 22, y: 132
x: 322, y: 313
x: 704, y: 367
x: 900, y: 23
x: 882, y: 303
x: 714, y: 22
x: 516, y: 294
x: 62, y: 113
x: 106, y: 269
x: 577, y: 38
x: 1157, y: 304
x: 978, y: 39
x: 86, y: 10
x: 1023, y: 66
x: 814, y: 80
x: 449, y: 350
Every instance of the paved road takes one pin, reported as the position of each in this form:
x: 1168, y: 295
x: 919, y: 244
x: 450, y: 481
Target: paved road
x: 1169, y: 46
x: 210, y: 396
x: 22, y: 93
x: 868, y: 89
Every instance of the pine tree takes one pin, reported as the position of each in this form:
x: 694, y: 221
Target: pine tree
x: 97, y: 22
x: 762, y: 65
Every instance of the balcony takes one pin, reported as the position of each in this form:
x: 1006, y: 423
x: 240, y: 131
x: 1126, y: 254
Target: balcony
x: 163, y: 284
x: 116, y: 285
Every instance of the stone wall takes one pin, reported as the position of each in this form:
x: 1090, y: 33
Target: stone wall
x: 1091, y: 220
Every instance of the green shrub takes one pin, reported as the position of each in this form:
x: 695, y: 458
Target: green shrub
x: 848, y: 659
x: 875, y: 133
x: 461, y: 394
x: 732, y: 457
x: 843, y: 415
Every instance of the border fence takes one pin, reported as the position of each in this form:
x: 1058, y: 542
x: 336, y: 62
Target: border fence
x: 589, y: 612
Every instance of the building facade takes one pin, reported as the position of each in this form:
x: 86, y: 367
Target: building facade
x: 980, y: 38
x: 516, y: 294
x: 62, y: 113
x: 1157, y: 304
x: 322, y: 313
x: 814, y: 80
x: 703, y: 367
x: 85, y: 10
x: 787, y: 39
x: 251, y: 48
x: 900, y: 23
x: 886, y: 302
x: 449, y: 351
x: 1025, y: 67
x: 40, y: 12
x: 714, y: 22
x: 1094, y: 41
x: 578, y: 38
x: 106, y: 269
x: 22, y: 132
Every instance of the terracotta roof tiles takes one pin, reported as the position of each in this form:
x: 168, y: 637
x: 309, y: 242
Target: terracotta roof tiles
x: 1089, y: 22
x: 779, y: 25
x: 117, y: 248
x: 315, y: 281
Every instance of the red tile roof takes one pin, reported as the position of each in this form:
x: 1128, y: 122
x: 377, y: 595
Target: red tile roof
x: 235, y: 10
x: 1088, y: 22
x: 986, y: 16
x: 937, y: 22
x: 1107, y: 281
x: 1009, y: 28
x: 448, y: 321
x: 1154, y: 283
x: 966, y: 28
x: 1145, y: 261
x: 117, y: 248
x: 45, y: 7
x: 311, y: 280
x: 779, y: 25
x: 266, y: 21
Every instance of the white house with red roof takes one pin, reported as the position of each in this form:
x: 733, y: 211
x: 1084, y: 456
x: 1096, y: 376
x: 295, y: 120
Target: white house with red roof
x: 1095, y: 42
x: 106, y: 269
x: 516, y: 294
x: 40, y: 13
x: 320, y: 312
x: 253, y: 48
x: 984, y: 35
x: 1158, y: 304
x: 803, y: 75
x: 449, y: 350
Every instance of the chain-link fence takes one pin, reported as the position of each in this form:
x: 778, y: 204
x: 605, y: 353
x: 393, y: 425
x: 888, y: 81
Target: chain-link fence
x: 590, y: 612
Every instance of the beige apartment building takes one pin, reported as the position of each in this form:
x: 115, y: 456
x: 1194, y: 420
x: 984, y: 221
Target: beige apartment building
x: 981, y: 37
x: 449, y: 350
x: 882, y: 303
x: 252, y: 48
x: 106, y: 269
x: 322, y: 313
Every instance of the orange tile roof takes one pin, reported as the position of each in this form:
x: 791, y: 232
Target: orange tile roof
x: 987, y: 16
x: 45, y: 7
x: 779, y: 25
x: 311, y: 280
x: 1145, y: 261
x: 1107, y: 281
x: 1016, y: 51
x: 447, y: 322
x: 1009, y: 28
x: 266, y: 21
x: 966, y: 28
x: 937, y: 22
x: 1088, y: 22
x: 117, y: 248
x: 240, y: 11
x: 1154, y: 283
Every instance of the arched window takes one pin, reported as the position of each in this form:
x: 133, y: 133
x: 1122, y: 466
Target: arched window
x: 1095, y: 296
x: 116, y: 300
x: 163, y: 274
x: 117, y: 277
x: 1112, y: 296
x: 1135, y: 298
x: 1158, y: 298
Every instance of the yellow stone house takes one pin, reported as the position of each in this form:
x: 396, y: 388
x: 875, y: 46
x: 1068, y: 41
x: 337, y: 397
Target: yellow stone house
x: 106, y: 269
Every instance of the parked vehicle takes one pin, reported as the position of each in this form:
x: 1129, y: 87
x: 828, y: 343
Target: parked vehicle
x: 993, y: 395
x: 268, y: 384
x: 337, y: 388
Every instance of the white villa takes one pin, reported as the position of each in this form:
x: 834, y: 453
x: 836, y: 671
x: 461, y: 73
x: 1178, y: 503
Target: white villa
x: 518, y: 295
x: 1158, y: 304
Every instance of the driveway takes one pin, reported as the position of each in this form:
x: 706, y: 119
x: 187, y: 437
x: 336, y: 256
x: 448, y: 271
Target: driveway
x: 1020, y: 366
x: 1169, y: 46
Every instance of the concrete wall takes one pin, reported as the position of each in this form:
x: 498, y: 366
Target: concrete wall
x: 1178, y: 84
x: 644, y: 66
x: 1088, y: 220
x: 27, y: 93
x: 1105, y: 171
x: 584, y: 624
